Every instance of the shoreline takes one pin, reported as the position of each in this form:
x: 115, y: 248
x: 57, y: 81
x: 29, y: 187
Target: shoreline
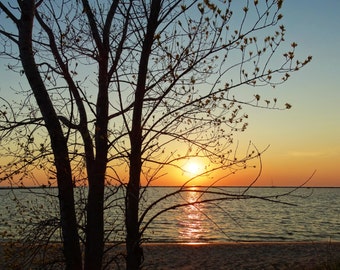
x: 214, y: 256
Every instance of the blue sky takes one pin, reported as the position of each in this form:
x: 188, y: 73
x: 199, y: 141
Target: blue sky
x: 305, y: 138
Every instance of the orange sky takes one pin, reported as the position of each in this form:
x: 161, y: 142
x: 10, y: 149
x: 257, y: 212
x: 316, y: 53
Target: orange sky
x: 306, y: 138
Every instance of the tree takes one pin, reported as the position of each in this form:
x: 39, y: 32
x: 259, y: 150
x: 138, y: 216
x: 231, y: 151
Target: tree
x: 116, y: 84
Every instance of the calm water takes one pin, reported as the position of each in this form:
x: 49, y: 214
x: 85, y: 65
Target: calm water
x: 314, y: 217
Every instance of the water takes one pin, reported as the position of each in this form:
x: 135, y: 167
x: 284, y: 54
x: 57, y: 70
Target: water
x: 315, y: 215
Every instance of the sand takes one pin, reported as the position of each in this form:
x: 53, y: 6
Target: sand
x: 258, y: 255
x: 243, y: 256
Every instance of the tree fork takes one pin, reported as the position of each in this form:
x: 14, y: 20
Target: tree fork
x: 64, y: 176
x: 134, y: 250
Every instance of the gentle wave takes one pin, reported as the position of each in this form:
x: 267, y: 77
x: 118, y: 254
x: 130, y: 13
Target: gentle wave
x: 315, y: 216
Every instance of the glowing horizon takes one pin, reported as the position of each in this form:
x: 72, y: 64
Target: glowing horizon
x: 303, y: 139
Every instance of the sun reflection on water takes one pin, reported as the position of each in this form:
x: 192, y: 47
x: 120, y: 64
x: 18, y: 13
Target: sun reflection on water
x: 192, y: 219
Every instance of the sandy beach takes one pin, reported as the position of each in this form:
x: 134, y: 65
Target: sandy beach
x: 258, y: 255
x: 243, y: 256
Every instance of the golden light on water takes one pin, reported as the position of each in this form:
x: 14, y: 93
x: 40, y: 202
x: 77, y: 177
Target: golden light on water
x: 191, y: 228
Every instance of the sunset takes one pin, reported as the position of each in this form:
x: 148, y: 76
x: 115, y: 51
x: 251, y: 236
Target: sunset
x: 132, y: 129
x: 302, y: 139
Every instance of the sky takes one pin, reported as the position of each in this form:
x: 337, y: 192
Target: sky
x: 304, y: 139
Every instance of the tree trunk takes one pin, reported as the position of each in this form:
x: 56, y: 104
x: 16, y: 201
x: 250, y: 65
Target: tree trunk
x: 59, y: 145
x: 95, y: 208
x: 95, y: 225
x: 133, y: 248
x: 133, y: 236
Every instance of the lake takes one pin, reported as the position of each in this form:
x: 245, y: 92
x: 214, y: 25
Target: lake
x: 307, y: 214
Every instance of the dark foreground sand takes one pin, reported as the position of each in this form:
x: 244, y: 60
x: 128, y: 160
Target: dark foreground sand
x: 244, y: 256
x: 281, y: 255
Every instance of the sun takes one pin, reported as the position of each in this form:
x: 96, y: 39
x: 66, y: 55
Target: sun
x: 193, y: 168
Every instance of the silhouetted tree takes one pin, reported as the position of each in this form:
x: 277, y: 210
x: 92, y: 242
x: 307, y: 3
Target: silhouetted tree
x: 114, y: 85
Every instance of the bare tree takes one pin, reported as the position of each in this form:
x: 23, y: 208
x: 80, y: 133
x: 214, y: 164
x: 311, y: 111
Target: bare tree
x: 116, y: 85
